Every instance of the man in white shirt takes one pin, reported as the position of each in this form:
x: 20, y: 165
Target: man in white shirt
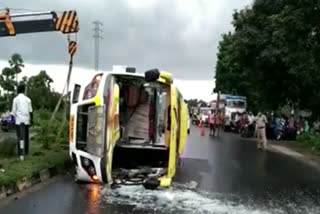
x: 22, y: 111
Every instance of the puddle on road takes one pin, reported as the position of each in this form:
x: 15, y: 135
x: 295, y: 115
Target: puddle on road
x: 178, y: 200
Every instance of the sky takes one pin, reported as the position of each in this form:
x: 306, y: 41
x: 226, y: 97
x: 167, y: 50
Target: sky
x: 179, y: 36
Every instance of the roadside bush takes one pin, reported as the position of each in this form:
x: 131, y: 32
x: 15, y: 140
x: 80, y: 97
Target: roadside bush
x: 41, y: 117
x: 8, y: 147
x: 48, y: 138
x: 310, y: 140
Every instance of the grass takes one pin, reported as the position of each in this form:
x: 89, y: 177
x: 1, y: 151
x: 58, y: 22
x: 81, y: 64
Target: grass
x: 47, y: 150
x: 311, y: 140
x: 37, y: 160
x: 7, y: 147
x: 302, y: 148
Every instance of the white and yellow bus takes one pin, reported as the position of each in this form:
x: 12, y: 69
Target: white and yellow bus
x: 127, y: 128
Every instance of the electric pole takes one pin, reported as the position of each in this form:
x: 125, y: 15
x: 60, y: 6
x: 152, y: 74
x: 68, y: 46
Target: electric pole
x: 97, y: 37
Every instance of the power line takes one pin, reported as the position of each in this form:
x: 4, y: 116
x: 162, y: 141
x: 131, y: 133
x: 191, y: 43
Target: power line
x: 97, y: 37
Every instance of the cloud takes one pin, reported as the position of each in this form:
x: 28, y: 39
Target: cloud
x: 176, y: 35
x: 200, y: 89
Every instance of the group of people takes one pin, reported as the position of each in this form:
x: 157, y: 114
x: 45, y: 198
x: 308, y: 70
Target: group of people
x: 262, y: 126
x: 216, y: 122
x: 292, y: 126
x: 274, y: 127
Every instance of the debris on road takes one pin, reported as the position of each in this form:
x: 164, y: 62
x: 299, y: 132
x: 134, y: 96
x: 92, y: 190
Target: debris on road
x: 192, y: 185
x: 174, y: 200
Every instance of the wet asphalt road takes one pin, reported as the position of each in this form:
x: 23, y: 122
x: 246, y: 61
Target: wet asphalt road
x: 232, y: 176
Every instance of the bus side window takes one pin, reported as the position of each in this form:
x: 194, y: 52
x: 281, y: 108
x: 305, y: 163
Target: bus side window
x: 76, y: 93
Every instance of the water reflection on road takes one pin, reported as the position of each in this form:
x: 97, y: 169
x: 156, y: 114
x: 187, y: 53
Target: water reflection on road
x: 232, y: 177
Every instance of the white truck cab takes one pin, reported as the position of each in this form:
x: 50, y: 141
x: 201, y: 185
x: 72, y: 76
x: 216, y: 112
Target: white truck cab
x: 231, y: 105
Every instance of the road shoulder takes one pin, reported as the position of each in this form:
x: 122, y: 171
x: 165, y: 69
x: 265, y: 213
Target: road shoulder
x: 34, y: 188
x: 299, y: 153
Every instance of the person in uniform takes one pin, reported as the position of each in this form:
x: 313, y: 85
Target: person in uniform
x: 261, y: 122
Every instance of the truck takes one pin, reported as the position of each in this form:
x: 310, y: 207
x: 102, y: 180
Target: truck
x: 231, y: 106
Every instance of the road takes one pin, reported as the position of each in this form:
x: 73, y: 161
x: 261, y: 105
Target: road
x: 232, y: 177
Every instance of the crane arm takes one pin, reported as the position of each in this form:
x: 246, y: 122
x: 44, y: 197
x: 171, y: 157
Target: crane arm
x: 12, y: 24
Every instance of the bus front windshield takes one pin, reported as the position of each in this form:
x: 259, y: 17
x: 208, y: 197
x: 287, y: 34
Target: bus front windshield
x: 236, y: 104
x: 205, y: 111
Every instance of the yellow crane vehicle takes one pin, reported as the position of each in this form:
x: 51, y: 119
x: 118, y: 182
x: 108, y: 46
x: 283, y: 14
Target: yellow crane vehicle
x: 128, y: 128
x: 34, y: 22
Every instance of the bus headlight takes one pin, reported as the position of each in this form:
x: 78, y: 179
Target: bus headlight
x: 91, y: 89
x: 88, y: 166
x: 86, y: 162
x: 91, y: 170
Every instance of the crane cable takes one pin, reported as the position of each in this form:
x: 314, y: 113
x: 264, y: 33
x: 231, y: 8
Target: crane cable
x: 72, y: 47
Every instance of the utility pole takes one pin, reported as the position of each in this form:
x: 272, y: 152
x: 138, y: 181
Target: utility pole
x: 97, y: 37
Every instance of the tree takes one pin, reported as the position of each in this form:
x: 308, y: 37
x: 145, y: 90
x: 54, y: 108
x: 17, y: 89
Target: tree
x: 196, y: 103
x: 16, y: 63
x: 40, y: 91
x: 272, y: 56
x: 9, y: 75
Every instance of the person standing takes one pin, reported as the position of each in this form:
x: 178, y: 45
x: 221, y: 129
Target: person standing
x: 261, y: 122
x: 316, y: 126
x: 22, y: 111
x: 219, y: 121
x: 243, y: 122
x: 212, y: 121
x: 292, y: 128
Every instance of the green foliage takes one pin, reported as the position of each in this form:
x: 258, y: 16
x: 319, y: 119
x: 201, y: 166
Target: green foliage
x: 8, y: 147
x: 196, y: 103
x: 16, y: 63
x: 9, y: 75
x: 3, y: 104
x: 310, y: 140
x: 38, y: 160
x: 285, y: 110
x: 40, y: 92
x: 38, y: 87
x: 272, y: 57
x: 49, y: 139
x: 47, y: 149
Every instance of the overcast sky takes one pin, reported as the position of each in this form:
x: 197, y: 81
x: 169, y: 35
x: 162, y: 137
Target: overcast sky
x: 180, y: 36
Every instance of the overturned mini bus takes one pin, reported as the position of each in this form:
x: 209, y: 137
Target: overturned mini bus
x: 127, y: 128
